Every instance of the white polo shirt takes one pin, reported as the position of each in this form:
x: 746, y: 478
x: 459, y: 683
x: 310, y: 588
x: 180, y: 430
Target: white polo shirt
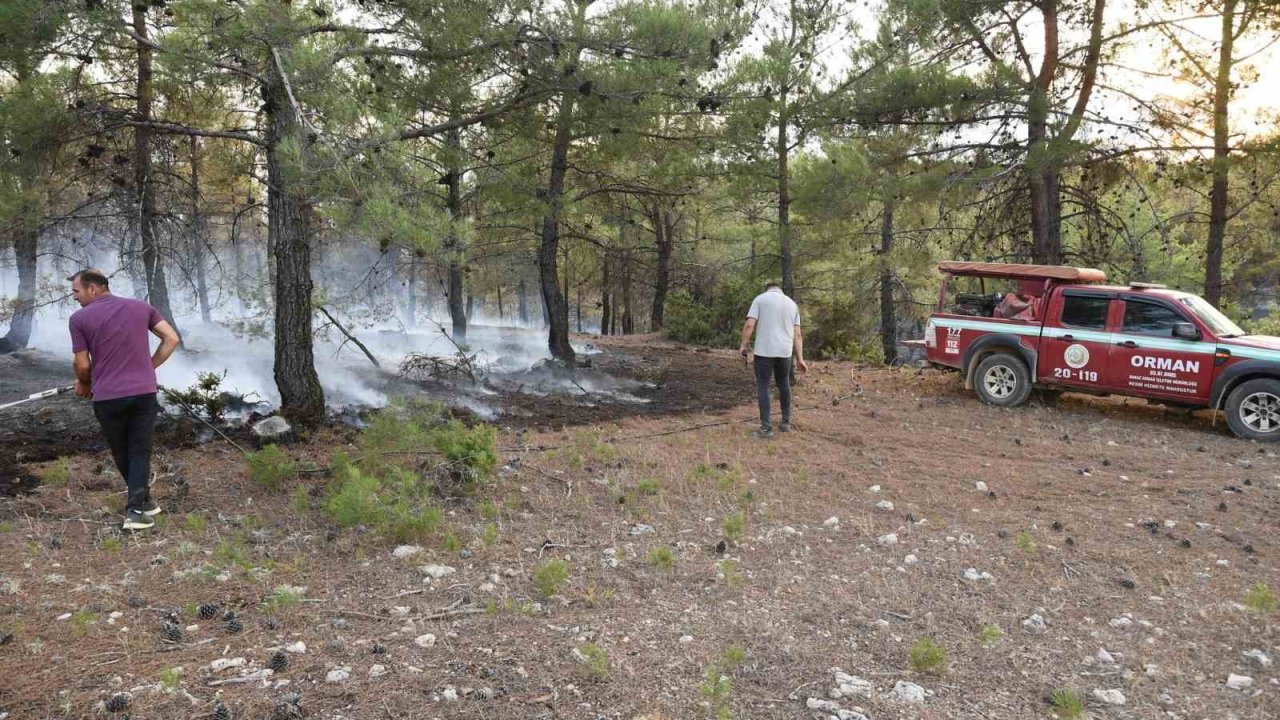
x: 776, y: 317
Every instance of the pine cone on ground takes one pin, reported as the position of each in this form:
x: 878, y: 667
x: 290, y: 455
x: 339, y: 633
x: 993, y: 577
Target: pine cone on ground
x: 172, y: 633
x: 378, y: 649
x: 279, y: 661
x: 289, y: 708
x: 118, y: 702
x: 220, y: 711
x: 208, y: 611
x: 232, y: 626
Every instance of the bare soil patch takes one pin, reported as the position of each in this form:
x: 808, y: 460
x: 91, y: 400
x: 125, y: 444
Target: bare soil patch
x: 1126, y: 528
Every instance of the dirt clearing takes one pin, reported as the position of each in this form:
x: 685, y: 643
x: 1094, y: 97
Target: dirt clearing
x: 627, y: 566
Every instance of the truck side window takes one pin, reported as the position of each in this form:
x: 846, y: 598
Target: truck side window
x: 1149, y: 318
x: 1084, y: 311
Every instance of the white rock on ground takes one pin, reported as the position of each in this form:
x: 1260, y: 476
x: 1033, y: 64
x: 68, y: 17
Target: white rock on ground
x: 884, y: 505
x: 1104, y: 657
x: 1239, y: 682
x: 404, y: 551
x: 851, y: 686
x: 272, y: 427
x: 449, y: 694
x: 1034, y: 625
x: 831, y: 521
x: 974, y: 575
x: 874, y: 488
x: 436, y: 572
x: 377, y: 671
x: 685, y: 639
x: 910, y: 560
x: 297, y: 648
x: 1258, y: 657
x: 223, y: 663
x: 890, y: 539
x: 425, y: 641
x: 908, y: 691
x: 338, y: 675
x: 980, y: 486
x: 1120, y: 623
x: 1109, y: 697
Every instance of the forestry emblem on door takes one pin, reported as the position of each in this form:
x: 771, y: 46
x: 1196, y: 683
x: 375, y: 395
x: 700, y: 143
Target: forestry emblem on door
x: 1076, y: 356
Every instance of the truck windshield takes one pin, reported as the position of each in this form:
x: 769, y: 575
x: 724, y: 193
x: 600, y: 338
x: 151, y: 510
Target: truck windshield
x: 1220, y: 324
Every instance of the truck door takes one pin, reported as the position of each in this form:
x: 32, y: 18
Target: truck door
x: 1074, y: 343
x: 1148, y: 360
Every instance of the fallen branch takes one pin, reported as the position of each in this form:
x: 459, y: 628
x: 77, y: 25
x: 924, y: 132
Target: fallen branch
x: 350, y: 337
x: 417, y: 366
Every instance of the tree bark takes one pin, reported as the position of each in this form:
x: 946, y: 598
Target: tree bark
x: 501, y: 312
x: 457, y: 311
x: 522, y: 302
x: 628, y: 319
x: 26, y: 241
x: 553, y: 300
x: 784, y: 199
x: 1042, y: 167
x: 289, y: 227
x: 197, y: 235
x: 1221, y: 153
x: 144, y: 182
x: 888, y: 319
x: 664, y: 227
x: 605, y: 295
x: 411, y: 314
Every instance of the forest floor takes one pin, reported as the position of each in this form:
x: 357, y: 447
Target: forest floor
x: 709, y: 574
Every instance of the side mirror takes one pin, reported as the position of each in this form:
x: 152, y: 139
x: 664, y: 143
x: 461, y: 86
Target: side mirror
x: 1186, y: 331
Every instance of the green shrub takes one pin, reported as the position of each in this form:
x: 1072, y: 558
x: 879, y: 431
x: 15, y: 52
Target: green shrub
x: 270, y: 467
x: 734, y: 526
x: 550, y: 576
x: 354, y: 499
x: 283, y: 597
x: 195, y: 522
x: 204, y: 396
x: 1067, y: 703
x: 689, y: 321
x: 649, y: 487
x: 661, y: 558
x: 1260, y: 599
x: 990, y: 634
x: 927, y: 656
x: 170, y: 679
x: 593, y: 661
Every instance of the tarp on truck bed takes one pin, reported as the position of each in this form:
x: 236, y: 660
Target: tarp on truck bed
x: 1014, y: 270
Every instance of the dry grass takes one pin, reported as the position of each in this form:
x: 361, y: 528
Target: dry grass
x: 793, y: 604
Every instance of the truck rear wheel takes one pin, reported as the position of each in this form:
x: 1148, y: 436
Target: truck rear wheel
x: 1002, y: 380
x: 1253, y: 410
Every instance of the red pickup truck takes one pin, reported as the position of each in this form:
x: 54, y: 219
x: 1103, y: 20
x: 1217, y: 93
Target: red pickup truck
x: 1061, y: 328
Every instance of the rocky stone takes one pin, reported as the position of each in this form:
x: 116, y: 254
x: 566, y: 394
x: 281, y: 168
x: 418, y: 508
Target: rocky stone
x: 435, y: 572
x: 884, y: 505
x: 297, y: 648
x: 975, y: 575
x: 980, y: 486
x: 449, y: 694
x: 338, y: 675
x: 832, y: 521
x: 1104, y: 657
x: 685, y: 639
x: 640, y: 529
x: 1120, y: 623
x: 272, y: 429
x: 851, y: 686
x: 874, y: 489
x: 1109, y: 697
x: 404, y: 551
x: 910, y: 560
x: 1035, y: 625
x: 1257, y: 656
x: 908, y: 692
x: 1239, y: 682
x: 224, y: 663
x: 890, y: 539
x: 377, y: 671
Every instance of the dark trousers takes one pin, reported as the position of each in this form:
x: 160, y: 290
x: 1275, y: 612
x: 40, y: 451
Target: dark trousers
x: 780, y: 370
x: 129, y: 424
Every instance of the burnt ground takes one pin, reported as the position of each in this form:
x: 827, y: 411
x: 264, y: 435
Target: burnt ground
x: 1124, y: 527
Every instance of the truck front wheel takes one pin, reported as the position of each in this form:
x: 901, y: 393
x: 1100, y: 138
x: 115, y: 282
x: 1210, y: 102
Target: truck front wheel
x: 1002, y: 380
x: 1253, y: 410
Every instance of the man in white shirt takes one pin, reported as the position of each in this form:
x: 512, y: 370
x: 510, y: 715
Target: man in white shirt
x: 775, y: 320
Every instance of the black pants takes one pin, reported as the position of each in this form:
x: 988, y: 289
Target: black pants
x: 129, y: 424
x: 780, y: 370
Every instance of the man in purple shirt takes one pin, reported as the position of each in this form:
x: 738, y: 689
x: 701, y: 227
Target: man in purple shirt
x: 114, y: 365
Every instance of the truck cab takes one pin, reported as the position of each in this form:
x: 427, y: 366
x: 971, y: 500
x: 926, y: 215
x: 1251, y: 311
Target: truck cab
x: 1064, y: 328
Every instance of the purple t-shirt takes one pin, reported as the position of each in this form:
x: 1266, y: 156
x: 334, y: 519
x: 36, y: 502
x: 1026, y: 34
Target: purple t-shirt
x: 115, y: 331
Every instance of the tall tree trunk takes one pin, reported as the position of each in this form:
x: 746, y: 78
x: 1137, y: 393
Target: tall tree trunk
x: 664, y: 231
x: 784, y: 198
x: 605, y: 295
x: 144, y: 183
x: 501, y: 313
x: 1221, y: 152
x: 553, y: 300
x: 289, y: 227
x: 522, y: 302
x: 628, y: 319
x: 471, y: 304
x: 457, y: 311
x: 888, y: 319
x: 197, y: 234
x: 26, y: 242
x: 411, y: 314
